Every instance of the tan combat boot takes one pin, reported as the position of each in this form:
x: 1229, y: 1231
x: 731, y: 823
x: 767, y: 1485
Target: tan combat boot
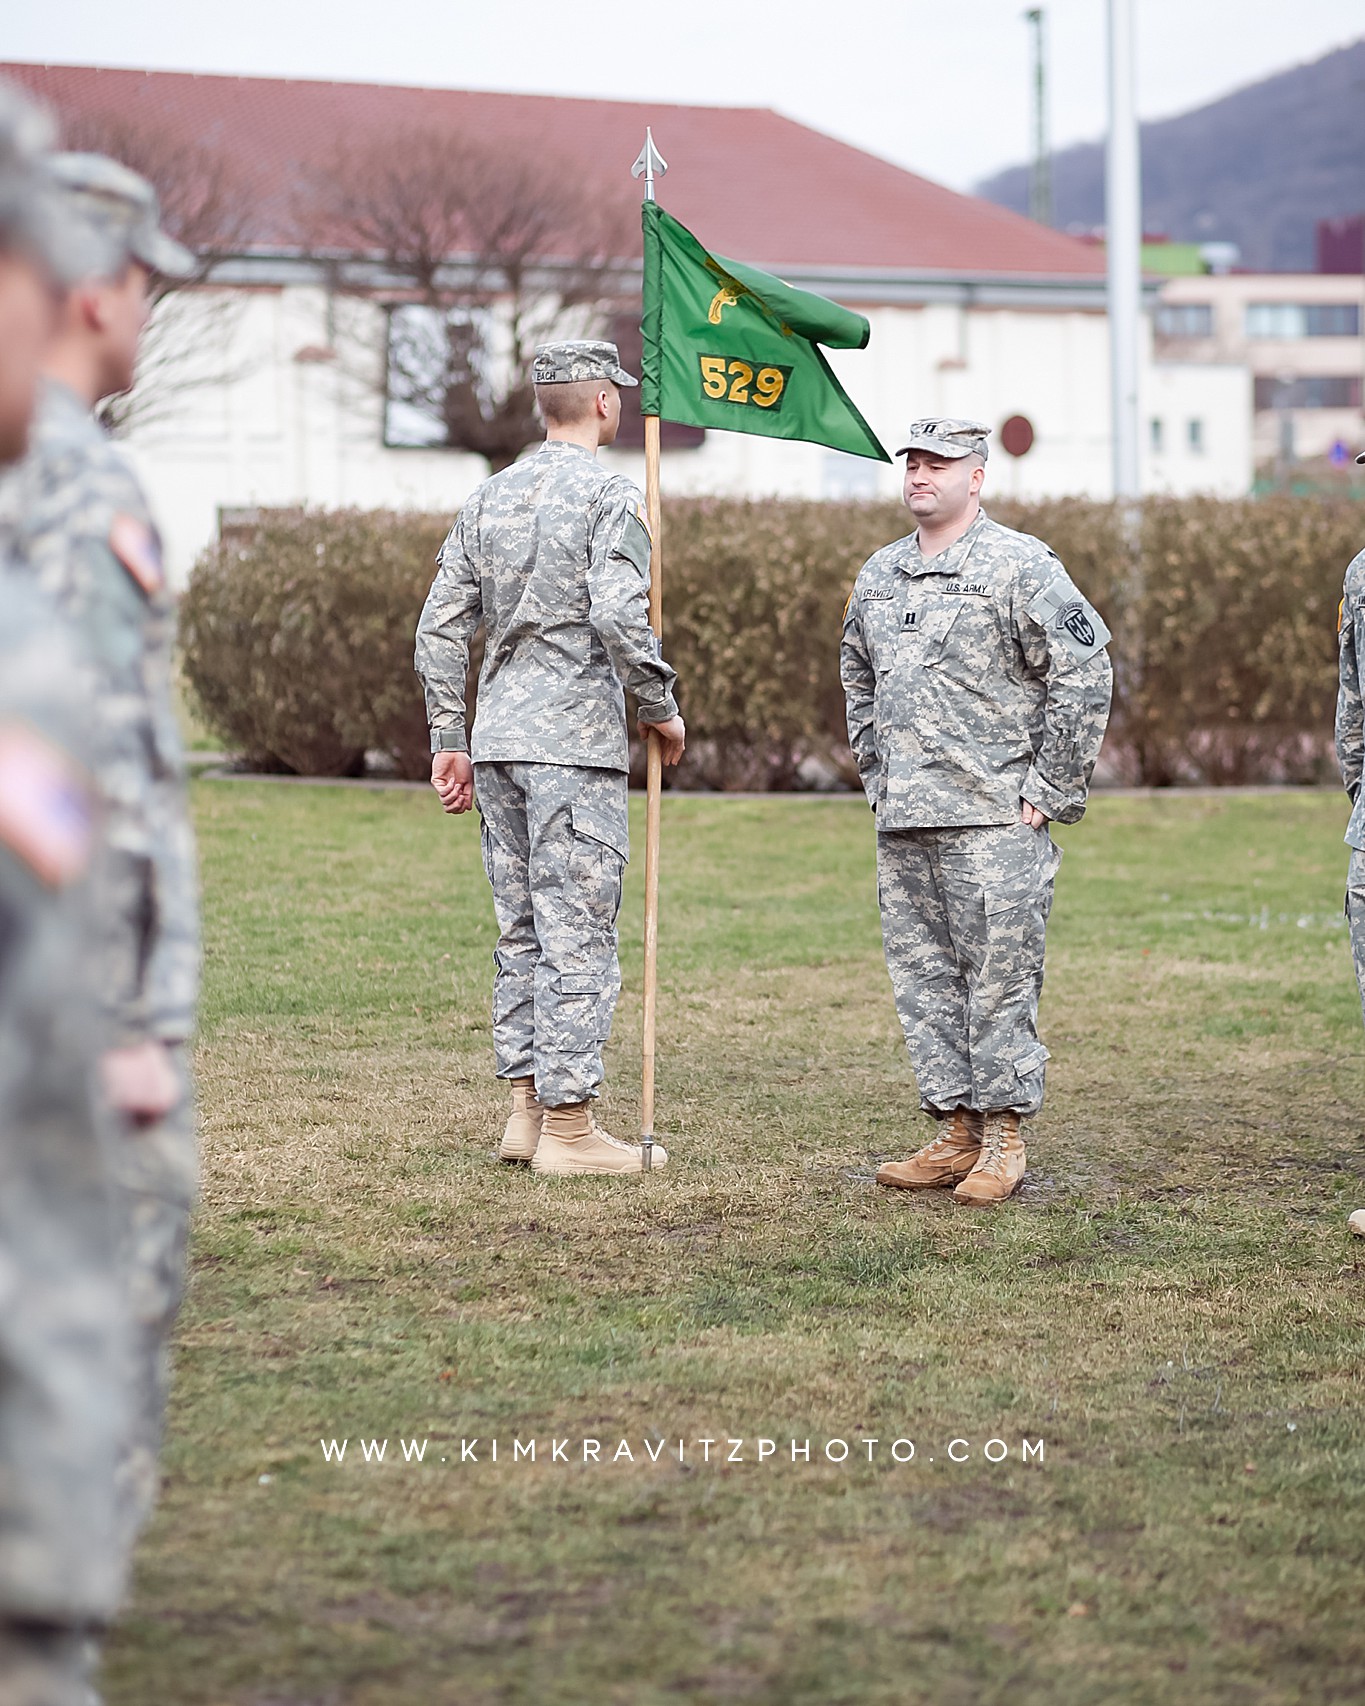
x: 572, y: 1142
x: 950, y: 1157
x: 44, y: 1666
x: 522, y: 1132
x: 1000, y: 1165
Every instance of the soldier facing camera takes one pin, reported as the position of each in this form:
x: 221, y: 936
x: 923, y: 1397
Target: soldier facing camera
x: 977, y: 688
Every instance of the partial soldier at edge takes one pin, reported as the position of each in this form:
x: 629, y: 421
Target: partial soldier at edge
x: 977, y: 688
x: 80, y: 524
x: 62, y: 1311
x: 552, y: 556
x: 1350, y: 738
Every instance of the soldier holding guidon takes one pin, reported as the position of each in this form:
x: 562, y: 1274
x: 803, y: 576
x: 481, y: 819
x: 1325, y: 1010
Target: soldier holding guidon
x: 977, y: 688
x: 552, y: 556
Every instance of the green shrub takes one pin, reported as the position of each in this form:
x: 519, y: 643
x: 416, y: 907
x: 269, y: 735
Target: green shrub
x: 1231, y: 654
x: 754, y: 595
x: 298, y: 642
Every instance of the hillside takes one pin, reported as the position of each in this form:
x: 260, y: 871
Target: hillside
x: 1257, y: 168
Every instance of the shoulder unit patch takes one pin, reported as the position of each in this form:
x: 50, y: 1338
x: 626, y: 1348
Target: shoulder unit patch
x: 1069, y: 619
x: 635, y: 544
x: 139, y: 550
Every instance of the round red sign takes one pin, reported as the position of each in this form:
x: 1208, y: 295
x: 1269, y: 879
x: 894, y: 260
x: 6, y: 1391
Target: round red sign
x: 1016, y: 436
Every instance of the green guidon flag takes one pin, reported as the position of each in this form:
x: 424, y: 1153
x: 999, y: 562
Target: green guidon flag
x: 729, y: 347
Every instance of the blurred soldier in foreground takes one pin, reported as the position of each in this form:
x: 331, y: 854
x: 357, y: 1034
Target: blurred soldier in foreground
x: 61, y: 1306
x: 552, y: 555
x: 977, y: 688
x: 83, y: 530
x: 1351, y: 757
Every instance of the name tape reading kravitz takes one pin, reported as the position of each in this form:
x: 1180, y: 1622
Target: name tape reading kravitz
x: 720, y: 1448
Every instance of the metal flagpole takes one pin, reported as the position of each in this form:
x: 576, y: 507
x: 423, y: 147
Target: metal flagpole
x: 649, y: 165
x: 1123, y: 245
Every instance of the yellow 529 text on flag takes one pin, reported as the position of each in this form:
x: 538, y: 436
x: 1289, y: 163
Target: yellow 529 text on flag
x: 727, y: 379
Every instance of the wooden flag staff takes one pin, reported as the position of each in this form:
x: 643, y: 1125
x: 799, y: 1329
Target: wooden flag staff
x: 649, y: 165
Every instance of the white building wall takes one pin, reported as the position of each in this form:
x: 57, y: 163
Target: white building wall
x: 988, y: 364
x: 1196, y: 429
x: 292, y: 419
x: 290, y: 413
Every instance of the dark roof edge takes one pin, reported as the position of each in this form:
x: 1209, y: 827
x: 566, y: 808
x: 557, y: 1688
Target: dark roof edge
x: 891, y: 287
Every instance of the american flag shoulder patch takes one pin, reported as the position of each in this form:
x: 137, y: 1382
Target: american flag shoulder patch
x: 139, y: 550
x: 46, y: 816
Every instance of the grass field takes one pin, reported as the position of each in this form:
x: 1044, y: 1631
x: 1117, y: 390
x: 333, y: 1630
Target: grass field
x: 1172, y: 1305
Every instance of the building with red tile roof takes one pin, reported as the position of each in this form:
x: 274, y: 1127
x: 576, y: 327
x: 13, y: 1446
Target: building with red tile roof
x: 974, y: 310
x: 752, y: 183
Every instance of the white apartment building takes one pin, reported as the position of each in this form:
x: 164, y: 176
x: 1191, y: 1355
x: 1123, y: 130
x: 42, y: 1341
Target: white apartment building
x: 1302, y: 338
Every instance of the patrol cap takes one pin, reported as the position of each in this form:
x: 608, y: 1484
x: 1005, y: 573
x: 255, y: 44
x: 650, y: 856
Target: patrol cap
x: 32, y: 219
x: 121, y: 211
x: 950, y: 438
x: 580, y: 358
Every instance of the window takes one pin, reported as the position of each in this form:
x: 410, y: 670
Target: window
x: 1317, y: 391
x: 1185, y: 320
x: 1303, y: 320
x: 1194, y: 437
x: 432, y: 354
x: 1274, y: 320
x: 1156, y: 436
x: 1332, y: 320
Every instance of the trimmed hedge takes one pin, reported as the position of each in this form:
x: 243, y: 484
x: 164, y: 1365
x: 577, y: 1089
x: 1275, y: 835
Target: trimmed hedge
x: 1229, y: 650
x: 298, y: 642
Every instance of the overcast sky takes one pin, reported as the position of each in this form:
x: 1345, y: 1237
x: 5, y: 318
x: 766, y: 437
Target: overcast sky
x: 942, y: 88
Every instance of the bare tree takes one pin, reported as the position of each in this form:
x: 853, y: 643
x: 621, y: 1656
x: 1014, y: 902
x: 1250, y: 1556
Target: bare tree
x: 188, y: 343
x: 479, y: 254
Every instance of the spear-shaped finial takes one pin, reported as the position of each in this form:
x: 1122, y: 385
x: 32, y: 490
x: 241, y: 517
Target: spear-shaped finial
x: 651, y: 164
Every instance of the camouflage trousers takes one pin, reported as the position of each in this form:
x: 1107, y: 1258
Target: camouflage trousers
x: 1355, y: 916
x: 62, y: 1398
x: 964, y: 913
x: 157, y: 1168
x: 555, y: 844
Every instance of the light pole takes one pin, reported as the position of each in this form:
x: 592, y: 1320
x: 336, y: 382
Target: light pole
x: 1123, y: 249
x: 1040, y: 174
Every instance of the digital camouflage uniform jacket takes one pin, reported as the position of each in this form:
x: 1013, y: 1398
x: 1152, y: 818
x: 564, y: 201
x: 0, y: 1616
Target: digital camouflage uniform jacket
x: 972, y: 680
x: 552, y: 554
x: 62, y: 1408
x: 76, y: 516
x: 1350, y: 709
